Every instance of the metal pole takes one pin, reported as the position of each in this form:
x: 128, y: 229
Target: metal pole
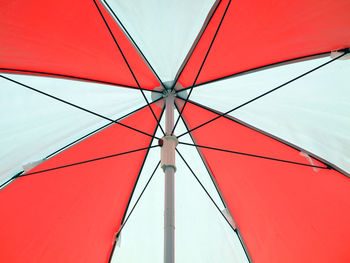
x: 169, y: 171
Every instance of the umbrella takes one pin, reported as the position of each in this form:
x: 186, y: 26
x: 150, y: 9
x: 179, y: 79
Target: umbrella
x: 98, y: 98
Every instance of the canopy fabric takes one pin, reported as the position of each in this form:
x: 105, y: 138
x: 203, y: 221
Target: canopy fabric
x: 258, y: 33
x: 161, y: 29
x: 81, y: 205
x: 68, y: 39
x: 238, y: 137
x: 202, y: 235
x: 286, y: 212
x: 83, y: 86
x: 296, y: 113
x: 34, y: 126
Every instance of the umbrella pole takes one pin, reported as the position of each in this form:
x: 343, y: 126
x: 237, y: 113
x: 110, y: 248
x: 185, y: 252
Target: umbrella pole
x: 168, y: 165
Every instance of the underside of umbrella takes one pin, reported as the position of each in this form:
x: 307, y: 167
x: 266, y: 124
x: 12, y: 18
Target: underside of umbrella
x: 98, y: 98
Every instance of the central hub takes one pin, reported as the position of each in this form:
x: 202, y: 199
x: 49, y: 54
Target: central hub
x: 168, y: 92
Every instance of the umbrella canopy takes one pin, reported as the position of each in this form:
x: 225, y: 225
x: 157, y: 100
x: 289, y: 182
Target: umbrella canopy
x: 262, y: 119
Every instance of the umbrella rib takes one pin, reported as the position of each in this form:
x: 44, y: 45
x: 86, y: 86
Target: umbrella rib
x: 133, y: 190
x: 205, y: 190
x: 201, y: 67
x: 88, y: 161
x: 76, y: 106
x: 97, y: 130
x: 262, y: 95
x: 9, y: 180
x: 239, y: 235
x: 133, y: 41
x: 127, y: 63
x: 255, y: 155
x: 295, y: 147
x: 143, y: 163
x: 205, y: 165
x: 131, y: 211
x: 256, y: 69
x: 217, y: 207
x: 195, y: 44
x: 14, y: 71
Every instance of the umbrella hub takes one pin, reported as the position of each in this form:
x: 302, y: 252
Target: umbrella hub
x: 169, y: 92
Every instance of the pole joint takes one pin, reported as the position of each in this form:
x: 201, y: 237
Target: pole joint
x: 168, y: 144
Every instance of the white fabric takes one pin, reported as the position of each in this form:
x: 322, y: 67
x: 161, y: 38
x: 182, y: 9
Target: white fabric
x: 33, y: 125
x: 313, y: 112
x: 201, y: 233
x: 164, y: 30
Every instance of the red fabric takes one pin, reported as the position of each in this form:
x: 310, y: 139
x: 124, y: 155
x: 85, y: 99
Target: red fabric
x: 69, y: 38
x: 286, y: 212
x: 256, y: 33
x: 72, y: 214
